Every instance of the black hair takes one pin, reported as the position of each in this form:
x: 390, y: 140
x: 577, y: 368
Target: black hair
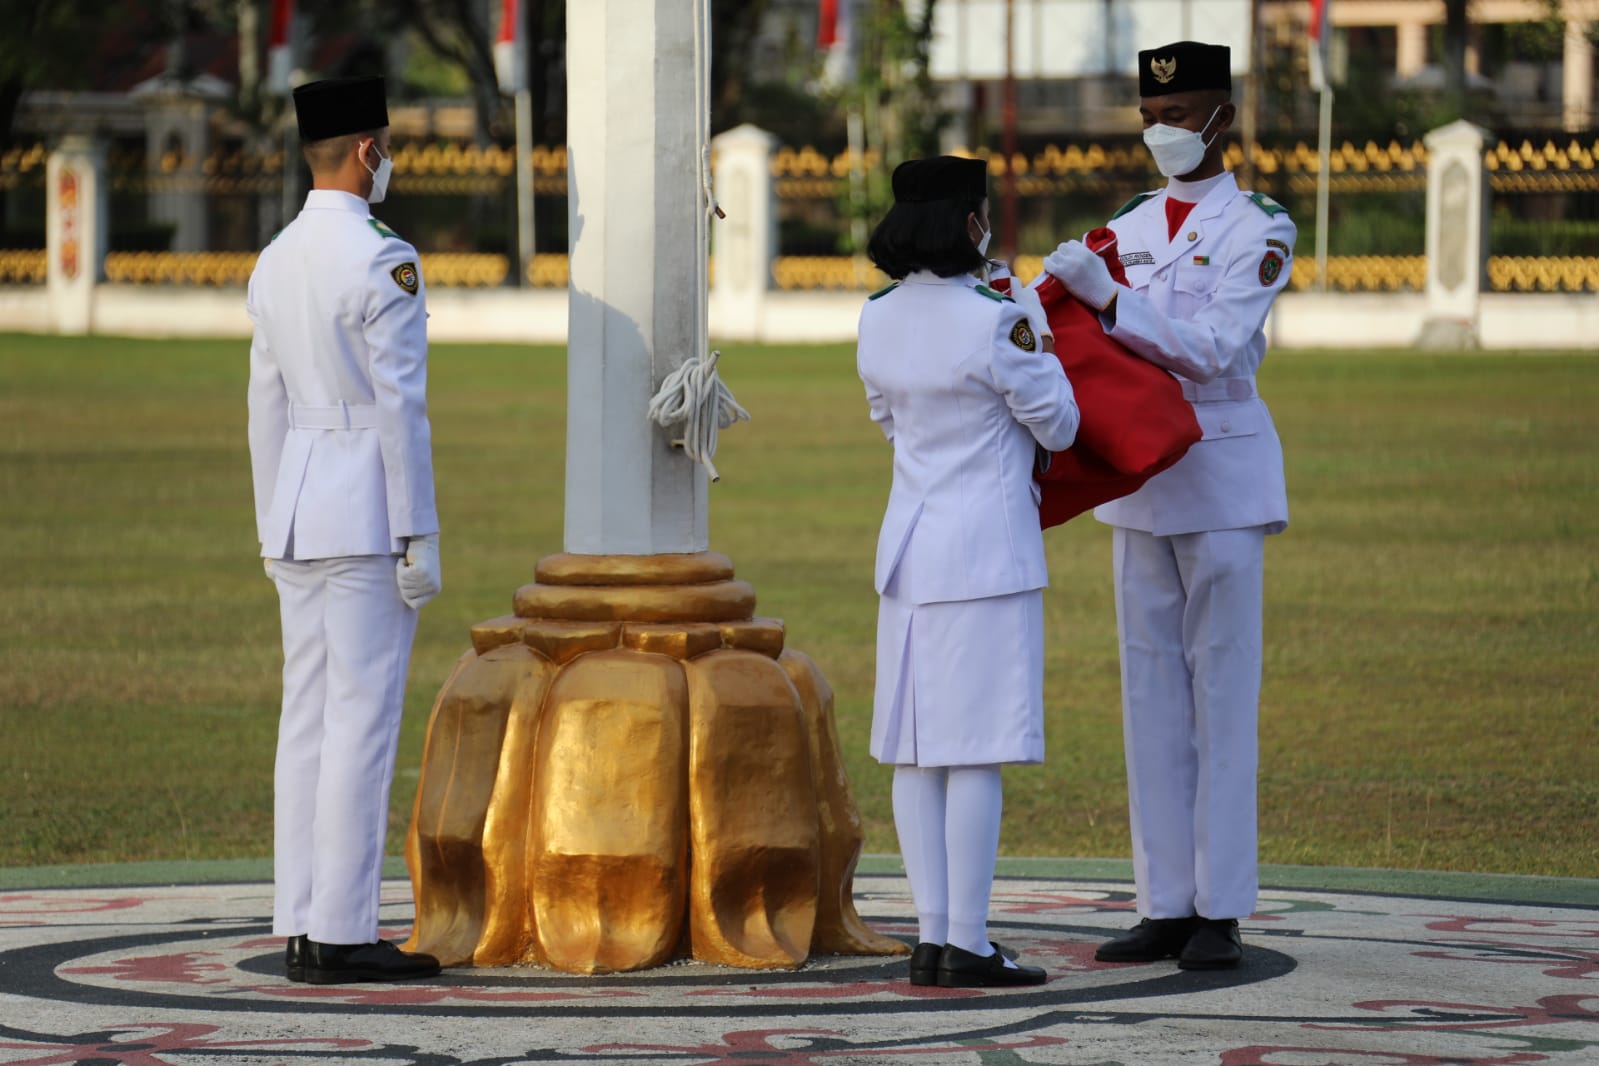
x: 929, y: 235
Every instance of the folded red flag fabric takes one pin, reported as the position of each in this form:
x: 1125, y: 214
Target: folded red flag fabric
x: 1135, y: 422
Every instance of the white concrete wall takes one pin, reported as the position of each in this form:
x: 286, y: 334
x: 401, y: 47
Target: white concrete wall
x: 1507, y: 321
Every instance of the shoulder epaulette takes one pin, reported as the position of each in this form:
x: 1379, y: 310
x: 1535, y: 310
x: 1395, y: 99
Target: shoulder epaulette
x: 273, y: 237
x: 1267, y: 204
x: 984, y: 290
x: 1130, y: 204
x: 884, y: 291
x: 383, y: 231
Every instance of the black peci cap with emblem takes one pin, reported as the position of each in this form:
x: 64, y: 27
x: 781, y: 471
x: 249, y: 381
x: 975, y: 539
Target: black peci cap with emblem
x: 337, y: 106
x: 942, y: 177
x: 1184, y: 67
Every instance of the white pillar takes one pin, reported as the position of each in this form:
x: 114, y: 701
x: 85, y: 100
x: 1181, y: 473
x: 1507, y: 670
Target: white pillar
x: 744, y: 242
x: 637, y: 120
x: 1411, y: 49
x: 1457, y: 234
x: 75, y: 230
x: 1576, y: 78
x: 177, y: 131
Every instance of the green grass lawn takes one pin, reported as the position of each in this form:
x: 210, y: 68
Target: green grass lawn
x: 1431, y: 695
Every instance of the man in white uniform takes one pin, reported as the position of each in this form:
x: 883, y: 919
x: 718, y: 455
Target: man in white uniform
x: 341, y: 454
x: 1204, y: 261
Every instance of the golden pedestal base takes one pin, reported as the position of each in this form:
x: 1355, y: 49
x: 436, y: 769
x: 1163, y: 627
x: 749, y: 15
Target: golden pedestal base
x: 632, y: 768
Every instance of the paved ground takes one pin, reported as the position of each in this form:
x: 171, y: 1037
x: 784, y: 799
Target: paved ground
x: 155, y: 965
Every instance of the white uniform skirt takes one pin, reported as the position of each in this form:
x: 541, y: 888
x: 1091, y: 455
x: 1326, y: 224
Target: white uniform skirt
x: 959, y: 683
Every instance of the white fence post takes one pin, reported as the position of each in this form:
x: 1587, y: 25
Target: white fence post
x: 76, y: 231
x: 744, y: 243
x: 1457, y: 235
x: 177, y: 136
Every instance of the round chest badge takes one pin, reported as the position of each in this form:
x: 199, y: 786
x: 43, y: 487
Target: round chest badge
x: 1270, y: 266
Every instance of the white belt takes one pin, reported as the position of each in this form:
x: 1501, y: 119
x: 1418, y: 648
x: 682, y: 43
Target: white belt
x: 340, y: 416
x: 1221, y: 390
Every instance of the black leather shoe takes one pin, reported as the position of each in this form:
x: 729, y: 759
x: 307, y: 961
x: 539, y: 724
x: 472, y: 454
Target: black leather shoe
x: 1150, y: 940
x: 959, y: 968
x: 1215, y: 945
x: 336, y: 964
x: 294, y: 957
x: 924, y: 963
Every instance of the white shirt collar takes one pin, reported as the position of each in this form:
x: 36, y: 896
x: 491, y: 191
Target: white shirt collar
x: 927, y: 277
x: 337, y: 200
x: 1191, y: 192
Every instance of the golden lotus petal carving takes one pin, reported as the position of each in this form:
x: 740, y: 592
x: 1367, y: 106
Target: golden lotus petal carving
x: 630, y: 767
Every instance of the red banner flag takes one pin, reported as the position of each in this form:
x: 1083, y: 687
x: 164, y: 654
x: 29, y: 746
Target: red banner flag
x: 1319, y: 13
x: 280, y: 47
x: 510, y: 49
x: 827, y: 24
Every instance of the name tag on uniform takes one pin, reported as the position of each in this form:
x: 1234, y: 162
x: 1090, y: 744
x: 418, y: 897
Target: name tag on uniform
x: 1131, y: 259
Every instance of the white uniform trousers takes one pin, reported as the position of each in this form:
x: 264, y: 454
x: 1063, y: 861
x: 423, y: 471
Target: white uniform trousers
x: 346, y: 647
x: 1188, y: 619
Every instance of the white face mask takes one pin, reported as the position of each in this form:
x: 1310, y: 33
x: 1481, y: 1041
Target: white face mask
x: 982, y: 242
x: 380, y: 178
x: 1178, y: 151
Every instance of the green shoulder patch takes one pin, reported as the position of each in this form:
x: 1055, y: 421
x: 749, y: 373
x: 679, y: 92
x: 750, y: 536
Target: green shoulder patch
x: 1267, y: 204
x: 383, y: 231
x: 1130, y: 204
x: 991, y: 294
x: 884, y: 291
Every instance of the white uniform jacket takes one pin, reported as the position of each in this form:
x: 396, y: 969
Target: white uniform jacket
x: 340, y: 445
x: 953, y: 386
x: 1197, y: 307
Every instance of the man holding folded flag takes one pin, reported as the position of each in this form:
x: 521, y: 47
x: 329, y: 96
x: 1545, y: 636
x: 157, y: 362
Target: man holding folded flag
x: 1204, y: 261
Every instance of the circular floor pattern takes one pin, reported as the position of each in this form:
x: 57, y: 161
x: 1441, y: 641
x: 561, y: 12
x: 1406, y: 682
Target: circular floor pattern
x: 190, y: 974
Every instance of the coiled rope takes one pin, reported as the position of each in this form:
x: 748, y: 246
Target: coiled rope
x: 695, y: 397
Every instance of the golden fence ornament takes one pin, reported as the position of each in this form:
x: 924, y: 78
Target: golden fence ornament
x: 25, y: 266
x: 630, y: 769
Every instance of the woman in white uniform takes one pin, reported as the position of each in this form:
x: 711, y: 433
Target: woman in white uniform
x: 963, y: 383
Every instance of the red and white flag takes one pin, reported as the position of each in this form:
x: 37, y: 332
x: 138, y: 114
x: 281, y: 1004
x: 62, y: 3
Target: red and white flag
x: 1319, y: 33
x: 510, y: 49
x: 280, y: 48
x: 835, y: 32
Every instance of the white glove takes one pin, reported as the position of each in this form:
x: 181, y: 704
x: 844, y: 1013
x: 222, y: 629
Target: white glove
x: 266, y: 564
x: 1084, y: 274
x: 418, y: 573
x: 1027, y: 299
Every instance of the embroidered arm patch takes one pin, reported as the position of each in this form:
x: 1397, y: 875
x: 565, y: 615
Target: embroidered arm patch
x: 1021, y: 335
x: 406, y: 277
x: 1271, y: 265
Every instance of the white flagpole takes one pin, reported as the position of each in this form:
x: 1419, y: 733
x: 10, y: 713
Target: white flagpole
x: 1319, y: 29
x: 524, y: 184
x: 1324, y: 150
x: 510, y: 69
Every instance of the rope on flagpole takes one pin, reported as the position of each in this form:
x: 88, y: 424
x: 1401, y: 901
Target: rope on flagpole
x: 693, y: 396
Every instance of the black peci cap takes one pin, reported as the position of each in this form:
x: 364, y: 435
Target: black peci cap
x: 337, y: 106
x: 943, y: 177
x: 1184, y: 67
